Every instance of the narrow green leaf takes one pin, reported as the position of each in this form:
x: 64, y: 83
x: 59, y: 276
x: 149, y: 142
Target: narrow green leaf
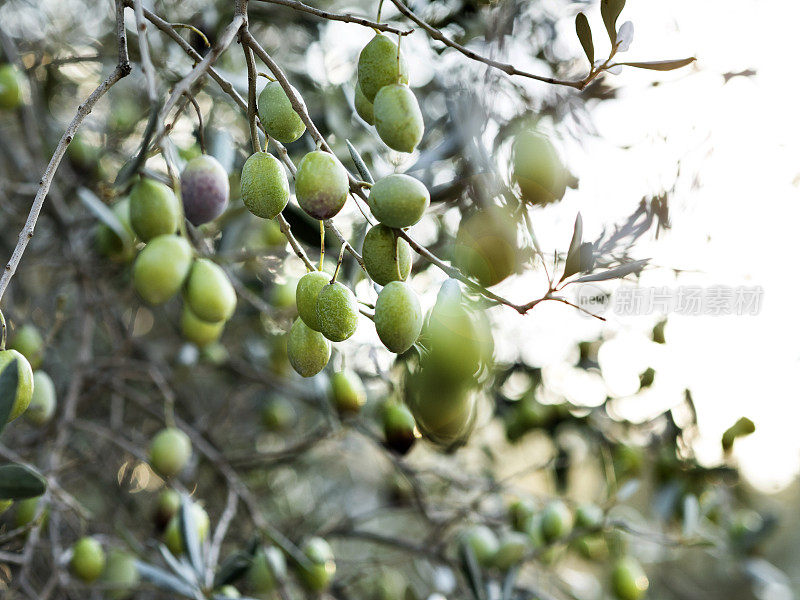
x: 18, y: 483
x: 102, y: 212
x: 661, y: 65
x: 616, y: 272
x: 188, y: 531
x: 8, y: 392
x: 180, y: 567
x: 165, y: 581
x: 584, y: 32
x: 233, y: 568
x: 131, y: 168
x: 573, y: 264
x: 469, y: 565
x: 360, y: 164
x: 610, y: 10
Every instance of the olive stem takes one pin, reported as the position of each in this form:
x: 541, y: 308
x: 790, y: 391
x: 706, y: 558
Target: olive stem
x: 265, y: 76
x: 2, y: 331
x: 251, y: 97
x: 338, y: 264
x: 200, y: 136
x: 380, y: 8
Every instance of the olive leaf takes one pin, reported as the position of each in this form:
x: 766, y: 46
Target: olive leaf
x: 188, y: 530
x: 235, y: 565
x: 610, y: 10
x: 164, y: 580
x: 661, y: 65
x: 469, y: 565
x: 180, y: 567
x: 625, y: 36
x: 103, y: 213
x: 360, y: 164
x: 584, y: 32
x: 18, y: 483
x: 573, y: 264
x: 132, y: 167
x: 691, y: 514
x: 616, y: 272
x: 8, y: 391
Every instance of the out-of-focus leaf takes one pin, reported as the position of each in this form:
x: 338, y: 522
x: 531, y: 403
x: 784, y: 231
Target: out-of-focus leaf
x: 102, y: 212
x: 361, y: 166
x: 691, y: 514
x: 610, y: 10
x: 584, y: 32
x: 660, y: 65
x: 8, y: 392
x: 164, y: 580
x: 180, y: 567
x: 18, y: 482
x: 131, y: 168
x: 587, y: 257
x: 616, y: 272
x: 471, y: 570
x: 625, y: 36
x: 508, y: 583
x: 628, y: 489
x: 233, y: 568
x: 188, y: 531
x: 573, y: 264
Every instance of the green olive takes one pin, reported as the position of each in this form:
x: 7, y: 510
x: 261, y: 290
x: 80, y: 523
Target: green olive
x: 398, y: 316
x: 399, y: 427
x: 380, y: 63
x: 170, y: 450
x: 265, y: 187
x: 318, y: 574
x: 321, y: 184
x: 589, y: 516
x: 172, y: 535
x: 161, y: 268
x: 209, y: 292
x: 556, y: 521
x: 26, y: 511
x: 347, y: 392
x: 337, y: 312
x: 363, y: 106
x: 5, y: 505
x: 271, y: 234
x: 228, y: 591
x: 167, y: 506
x: 267, y: 570
x: 278, y: 414
x: 398, y: 118
x: 538, y: 169
x: 29, y: 342
x: 277, y: 114
x: 513, y: 548
x: 399, y: 200
x: 521, y: 514
x: 154, y: 209
x: 109, y: 243
x: 88, y: 559
x: 628, y: 579
x: 387, y: 256
x: 486, y: 246
x: 121, y: 575
x: 10, y: 87
x: 43, y: 400
x: 25, y: 382
x: 308, y: 288
x: 197, y: 331
x: 445, y: 411
x: 308, y: 350
x: 483, y: 542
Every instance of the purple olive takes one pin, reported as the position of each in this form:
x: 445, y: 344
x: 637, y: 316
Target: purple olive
x: 204, y: 189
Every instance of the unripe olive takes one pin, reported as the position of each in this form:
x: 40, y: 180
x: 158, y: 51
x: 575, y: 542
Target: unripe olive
x: 29, y: 342
x: 392, y: 585
x: 154, y: 209
x: 197, y: 331
x: 398, y: 118
x: 209, y: 292
x: 337, y: 312
x: 26, y: 511
x: 538, y: 169
x: 380, y: 63
x: 347, y: 392
x: 556, y: 521
x: 205, y: 189
x: 278, y: 414
x: 308, y: 288
x: 588, y: 516
x: 25, y: 382
x: 445, y: 411
x: 486, y: 246
x: 266, y: 571
x: 399, y: 427
x: 399, y: 200
x: 228, y: 591
x: 161, y: 268
x: 398, y: 316
x: 10, y: 88
x: 309, y: 350
x: 88, y: 559
x: 5, y: 505
x: 109, y: 243
x: 363, y: 106
x: 521, y: 514
x: 167, y: 506
x: 172, y: 535
x: 277, y: 115
x: 121, y: 575
x: 628, y: 579
x: 265, y: 187
x: 483, y: 542
x: 592, y: 546
x: 271, y: 234
x: 387, y: 257
x: 43, y: 400
x: 170, y: 450
x: 513, y: 548
x: 321, y: 184
x: 317, y: 576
